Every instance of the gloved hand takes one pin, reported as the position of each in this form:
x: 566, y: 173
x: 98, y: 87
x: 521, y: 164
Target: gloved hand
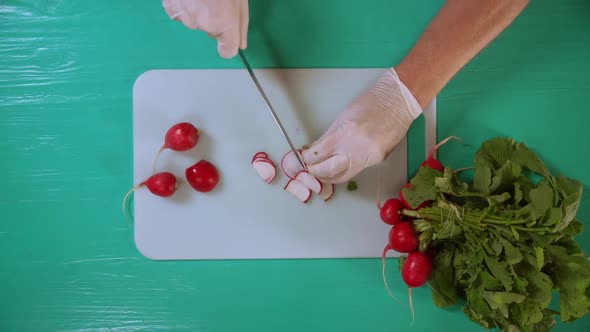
x: 365, y: 132
x: 224, y: 20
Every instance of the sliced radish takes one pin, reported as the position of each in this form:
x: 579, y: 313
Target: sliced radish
x: 259, y: 154
x: 327, y: 192
x: 264, y: 159
x: 299, y: 190
x: 265, y: 169
x: 290, y: 164
x: 309, y: 181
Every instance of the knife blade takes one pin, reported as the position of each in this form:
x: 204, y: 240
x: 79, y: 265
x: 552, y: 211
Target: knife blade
x: 270, y: 108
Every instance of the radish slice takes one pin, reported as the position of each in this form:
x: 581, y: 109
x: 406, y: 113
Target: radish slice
x: 290, y: 164
x: 263, y: 159
x: 309, y: 181
x: 265, y: 169
x: 327, y: 192
x: 299, y: 190
x: 259, y: 154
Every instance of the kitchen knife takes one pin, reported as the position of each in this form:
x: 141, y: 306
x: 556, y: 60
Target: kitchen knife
x: 270, y: 108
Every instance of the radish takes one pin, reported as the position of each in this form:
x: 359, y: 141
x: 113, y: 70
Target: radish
x: 403, y: 237
x: 265, y: 168
x: 390, y: 211
x: 431, y: 161
x: 299, y: 190
x: 309, y: 181
x: 290, y: 164
x: 182, y: 136
x: 327, y: 191
x: 202, y: 176
x: 162, y: 184
x: 416, y: 272
x: 259, y: 155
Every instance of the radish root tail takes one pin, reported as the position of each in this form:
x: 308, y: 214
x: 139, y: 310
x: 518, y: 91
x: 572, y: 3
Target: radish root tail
x: 158, y: 156
x: 384, y: 276
x: 125, y: 202
x: 411, y: 304
x: 443, y: 142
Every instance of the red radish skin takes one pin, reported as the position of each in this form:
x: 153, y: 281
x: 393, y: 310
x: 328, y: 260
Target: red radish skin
x: 416, y: 272
x: 265, y: 169
x: 299, y: 190
x: 290, y: 164
x: 309, y: 181
x: 403, y: 237
x: 202, y: 176
x: 327, y: 191
x: 264, y: 159
x: 391, y: 211
x: 259, y: 155
x: 182, y: 136
x: 161, y: 184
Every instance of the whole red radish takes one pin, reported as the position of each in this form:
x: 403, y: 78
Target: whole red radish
x: 182, y: 136
x: 417, y: 269
x: 403, y: 237
x: 161, y: 184
x: 202, y: 176
x: 416, y: 272
x: 390, y: 211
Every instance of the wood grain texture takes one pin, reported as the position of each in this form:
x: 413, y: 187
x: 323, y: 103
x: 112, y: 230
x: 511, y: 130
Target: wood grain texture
x: 67, y: 259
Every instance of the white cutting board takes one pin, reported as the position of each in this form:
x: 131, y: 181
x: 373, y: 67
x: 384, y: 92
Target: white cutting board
x: 245, y: 218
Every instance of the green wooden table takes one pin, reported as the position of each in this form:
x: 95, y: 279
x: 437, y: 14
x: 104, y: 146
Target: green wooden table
x: 67, y: 259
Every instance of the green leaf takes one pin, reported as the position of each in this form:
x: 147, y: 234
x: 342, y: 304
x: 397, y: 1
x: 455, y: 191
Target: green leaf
x: 504, y: 177
x: 527, y: 158
x: 488, y: 282
x: 352, y: 186
x: 499, y: 269
x: 513, y: 255
x: 482, y: 178
x: 552, y: 217
x: 540, y: 257
x: 423, y: 187
x: 497, y: 151
x: 572, y: 192
x: 499, y: 199
x: 497, y: 299
x: 572, y: 276
x: 541, y: 199
x: 443, y: 284
x: 518, y: 195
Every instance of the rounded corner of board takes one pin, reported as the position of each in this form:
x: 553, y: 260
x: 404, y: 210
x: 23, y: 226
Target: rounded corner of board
x: 144, y: 251
x: 146, y: 75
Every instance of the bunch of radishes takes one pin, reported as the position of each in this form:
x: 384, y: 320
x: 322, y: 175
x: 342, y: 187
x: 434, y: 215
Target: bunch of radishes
x: 202, y: 176
x: 403, y: 237
x: 301, y: 184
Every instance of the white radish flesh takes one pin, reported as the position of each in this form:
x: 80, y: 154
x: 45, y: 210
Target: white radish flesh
x: 309, y: 181
x: 290, y: 165
x: 299, y: 190
x: 265, y: 169
x: 327, y: 192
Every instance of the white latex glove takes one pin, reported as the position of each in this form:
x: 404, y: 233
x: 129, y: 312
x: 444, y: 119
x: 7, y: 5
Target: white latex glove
x: 224, y: 20
x: 365, y: 132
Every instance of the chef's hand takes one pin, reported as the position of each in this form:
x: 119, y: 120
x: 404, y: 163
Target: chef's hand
x: 365, y: 132
x: 224, y: 20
